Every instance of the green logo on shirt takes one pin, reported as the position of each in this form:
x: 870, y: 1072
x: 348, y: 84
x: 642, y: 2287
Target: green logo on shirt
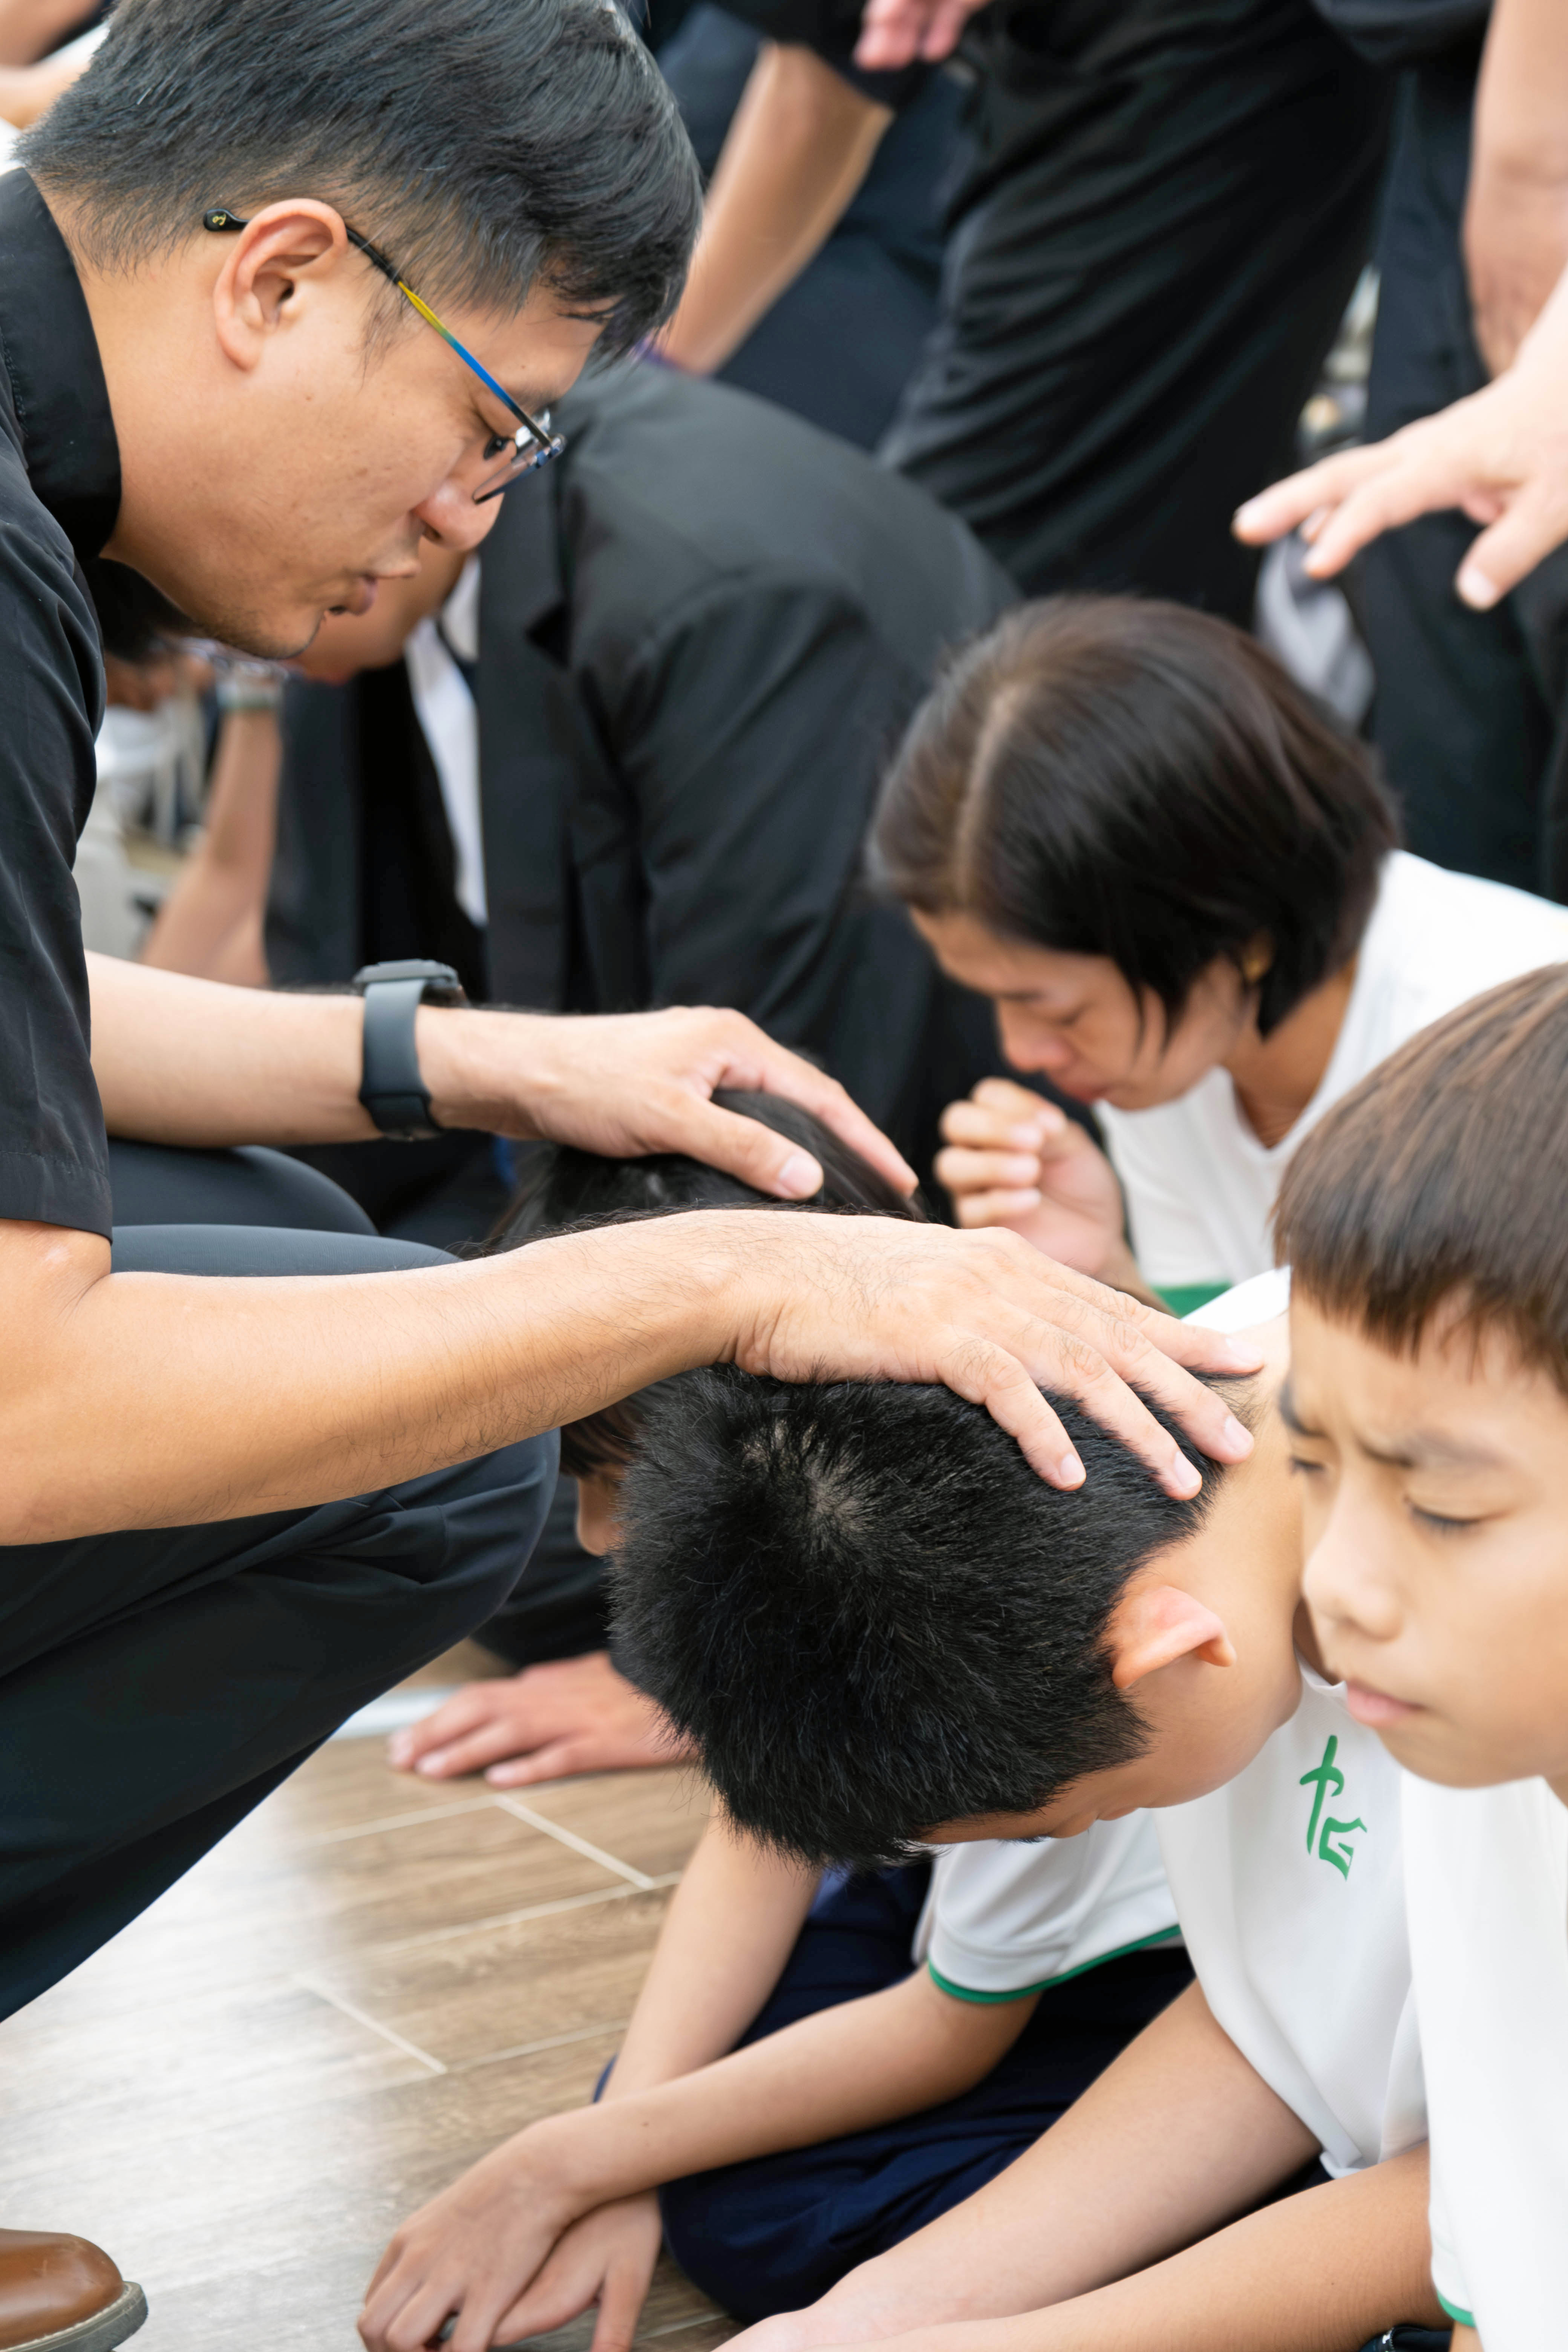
x: 1326, y: 1780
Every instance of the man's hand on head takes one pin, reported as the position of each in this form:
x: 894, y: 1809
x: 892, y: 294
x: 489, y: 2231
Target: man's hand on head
x: 983, y: 1314
x: 626, y: 1084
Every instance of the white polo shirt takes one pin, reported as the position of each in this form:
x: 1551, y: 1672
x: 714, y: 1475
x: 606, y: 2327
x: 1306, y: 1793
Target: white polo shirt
x: 1288, y: 1884
x: 1488, y: 1873
x: 1199, y: 1186
x: 1004, y: 1918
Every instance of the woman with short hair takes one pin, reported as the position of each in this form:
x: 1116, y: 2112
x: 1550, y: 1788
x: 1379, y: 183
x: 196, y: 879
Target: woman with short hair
x: 1180, y: 883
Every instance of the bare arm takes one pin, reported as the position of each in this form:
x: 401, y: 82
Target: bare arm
x: 1516, y: 212
x: 1114, y: 2231
x: 800, y: 144
x: 486, y: 2248
x: 1311, y: 2274
x: 730, y: 1927
x: 212, y: 925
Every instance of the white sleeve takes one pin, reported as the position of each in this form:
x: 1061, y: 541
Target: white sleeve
x: 1446, y: 2276
x: 1004, y: 1918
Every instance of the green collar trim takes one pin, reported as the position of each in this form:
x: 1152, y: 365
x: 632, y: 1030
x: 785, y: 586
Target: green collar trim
x: 1024, y: 1992
x: 1460, y: 2317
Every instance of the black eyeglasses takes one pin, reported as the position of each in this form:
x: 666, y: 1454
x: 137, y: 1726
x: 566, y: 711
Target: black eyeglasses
x: 508, y: 456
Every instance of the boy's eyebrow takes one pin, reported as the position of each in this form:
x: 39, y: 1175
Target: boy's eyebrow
x: 1429, y: 1450
x: 1286, y: 1404
x: 1424, y: 1450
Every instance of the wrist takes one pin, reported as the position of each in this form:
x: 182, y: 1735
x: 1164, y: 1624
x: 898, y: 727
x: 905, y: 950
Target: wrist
x: 478, y: 1066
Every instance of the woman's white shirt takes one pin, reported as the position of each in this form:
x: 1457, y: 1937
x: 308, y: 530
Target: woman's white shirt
x: 1199, y: 1186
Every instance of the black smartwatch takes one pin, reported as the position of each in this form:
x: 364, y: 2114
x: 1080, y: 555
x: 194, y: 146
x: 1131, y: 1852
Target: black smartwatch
x: 390, y: 1088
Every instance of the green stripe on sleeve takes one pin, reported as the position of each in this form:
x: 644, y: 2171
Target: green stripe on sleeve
x: 1023, y: 1992
x: 1460, y: 2318
x: 1187, y: 1297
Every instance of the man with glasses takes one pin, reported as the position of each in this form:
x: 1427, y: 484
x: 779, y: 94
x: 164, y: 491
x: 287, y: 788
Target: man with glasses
x: 234, y: 1507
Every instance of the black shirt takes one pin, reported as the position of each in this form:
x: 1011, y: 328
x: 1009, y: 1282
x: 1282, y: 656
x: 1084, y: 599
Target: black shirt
x: 59, y: 494
x: 700, y: 635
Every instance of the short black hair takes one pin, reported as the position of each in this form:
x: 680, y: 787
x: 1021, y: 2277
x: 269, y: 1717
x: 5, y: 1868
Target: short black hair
x: 564, y: 1190
x: 1114, y: 777
x: 1433, y: 1192
x: 482, y: 145
x: 868, y: 1613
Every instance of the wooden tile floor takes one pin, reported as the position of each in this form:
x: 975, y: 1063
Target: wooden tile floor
x: 370, y: 1983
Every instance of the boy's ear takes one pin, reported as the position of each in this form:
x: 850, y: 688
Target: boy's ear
x: 1155, y: 1624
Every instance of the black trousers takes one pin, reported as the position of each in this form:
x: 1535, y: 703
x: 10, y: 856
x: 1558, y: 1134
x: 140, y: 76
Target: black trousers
x: 1144, y: 276
x: 157, y: 1684
x: 1470, y: 709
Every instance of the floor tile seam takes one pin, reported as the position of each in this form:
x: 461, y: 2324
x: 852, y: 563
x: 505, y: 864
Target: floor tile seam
x: 371, y: 2024
x: 525, y: 1813
x: 308, y: 1840
x: 533, y: 2049
x: 519, y: 1918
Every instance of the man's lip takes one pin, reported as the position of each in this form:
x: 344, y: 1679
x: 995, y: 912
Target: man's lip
x: 1375, y: 1709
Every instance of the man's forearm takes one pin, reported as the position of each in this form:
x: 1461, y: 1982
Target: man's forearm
x: 141, y: 1400
x: 1516, y: 218
x: 797, y: 150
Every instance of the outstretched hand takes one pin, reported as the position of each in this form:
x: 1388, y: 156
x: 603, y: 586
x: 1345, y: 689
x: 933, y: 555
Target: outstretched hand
x: 570, y: 1715
x: 629, y: 1083
x: 1502, y: 455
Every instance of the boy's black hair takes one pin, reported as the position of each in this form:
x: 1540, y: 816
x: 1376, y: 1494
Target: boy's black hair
x: 1114, y: 777
x: 564, y: 1190
x: 1433, y: 1194
x: 869, y: 1613
x: 482, y: 145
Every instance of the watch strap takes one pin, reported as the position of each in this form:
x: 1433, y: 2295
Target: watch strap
x: 391, y: 1086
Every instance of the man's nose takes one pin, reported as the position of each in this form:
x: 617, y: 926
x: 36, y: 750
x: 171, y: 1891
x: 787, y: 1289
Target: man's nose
x: 452, y: 519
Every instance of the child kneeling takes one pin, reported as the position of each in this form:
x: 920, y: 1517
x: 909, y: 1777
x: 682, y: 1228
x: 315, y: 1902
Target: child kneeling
x: 821, y: 2061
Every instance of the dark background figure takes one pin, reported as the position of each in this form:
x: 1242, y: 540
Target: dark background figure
x: 1162, y: 211
x: 840, y: 344
x: 700, y: 634
x: 1469, y: 709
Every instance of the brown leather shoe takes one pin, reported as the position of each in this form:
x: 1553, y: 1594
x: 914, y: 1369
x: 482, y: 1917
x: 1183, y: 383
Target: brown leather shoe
x: 62, y: 2294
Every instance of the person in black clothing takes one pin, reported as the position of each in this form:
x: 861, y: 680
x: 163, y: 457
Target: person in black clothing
x: 842, y: 340
x: 1471, y: 711
x: 1162, y: 211
x: 232, y: 1510
x: 700, y: 635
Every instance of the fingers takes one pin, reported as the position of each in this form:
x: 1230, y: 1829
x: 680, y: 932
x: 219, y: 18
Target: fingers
x: 1502, y: 556
x: 554, y: 1762
x: 1014, y: 1175
x: 783, y: 1073
x: 419, y: 1745
x: 1288, y: 504
x: 890, y: 33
